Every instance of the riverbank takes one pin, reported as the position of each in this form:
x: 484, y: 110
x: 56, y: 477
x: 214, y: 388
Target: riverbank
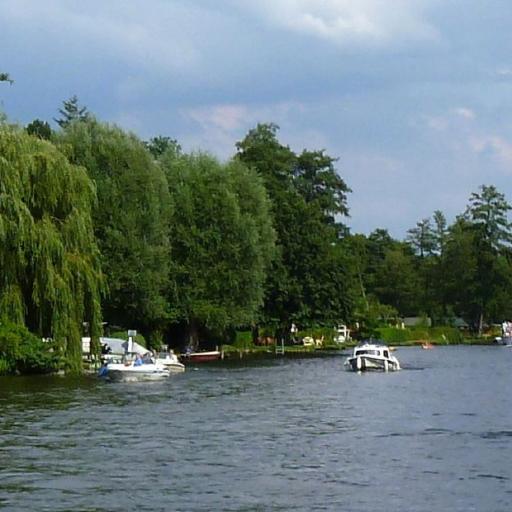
x: 232, y: 352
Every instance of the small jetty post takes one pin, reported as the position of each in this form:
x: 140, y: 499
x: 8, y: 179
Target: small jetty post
x: 280, y: 347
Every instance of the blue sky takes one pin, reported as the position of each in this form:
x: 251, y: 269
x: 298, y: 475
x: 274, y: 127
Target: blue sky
x: 413, y: 96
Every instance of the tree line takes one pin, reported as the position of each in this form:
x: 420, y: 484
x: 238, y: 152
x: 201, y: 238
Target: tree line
x: 97, y: 225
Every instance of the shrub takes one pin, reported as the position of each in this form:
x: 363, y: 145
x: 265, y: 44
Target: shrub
x: 447, y: 335
x: 243, y: 339
x: 394, y: 334
x: 23, y: 352
x: 435, y: 334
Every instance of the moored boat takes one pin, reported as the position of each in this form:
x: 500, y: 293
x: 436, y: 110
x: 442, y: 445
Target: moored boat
x: 170, y: 361
x: 130, y: 369
x: 371, y: 355
x: 504, y: 340
x: 201, y: 357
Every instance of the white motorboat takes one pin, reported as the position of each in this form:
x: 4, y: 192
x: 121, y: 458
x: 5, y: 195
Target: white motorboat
x: 130, y: 369
x: 370, y: 355
x: 170, y: 360
x: 504, y: 340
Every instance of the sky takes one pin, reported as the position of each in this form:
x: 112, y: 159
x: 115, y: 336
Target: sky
x: 413, y: 97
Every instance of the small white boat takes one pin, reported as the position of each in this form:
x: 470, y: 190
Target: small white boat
x: 504, y: 340
x: 170, y: 361
x: 371, y: 355
x: 134, y: 369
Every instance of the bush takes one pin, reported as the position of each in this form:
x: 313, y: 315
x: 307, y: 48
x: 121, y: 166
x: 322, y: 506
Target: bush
x: 23, y: 352
x: 435, y: 334
x: 447, y: 335
x: 394, y: 334
x: 243, y: 339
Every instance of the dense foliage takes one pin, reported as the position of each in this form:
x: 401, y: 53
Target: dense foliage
x: 50, y: 272
x: 23, y: 352
x: 131, y: 221
x: 311, y: 279
x: 222, y: 241
x: 98, y: 225
x: 445, y: 272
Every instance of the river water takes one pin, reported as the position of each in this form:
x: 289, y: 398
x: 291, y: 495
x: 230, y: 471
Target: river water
x: 279, y: 434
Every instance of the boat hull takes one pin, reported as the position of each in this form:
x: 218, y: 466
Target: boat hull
x: 173, y: 367
x: 366, y: 363
x: 505, y: 340
x: 170, y: 361
x: 122, y: 373
x: 201, y: 357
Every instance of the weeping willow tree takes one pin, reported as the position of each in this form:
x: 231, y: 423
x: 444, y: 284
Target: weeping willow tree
x: 50, y: 277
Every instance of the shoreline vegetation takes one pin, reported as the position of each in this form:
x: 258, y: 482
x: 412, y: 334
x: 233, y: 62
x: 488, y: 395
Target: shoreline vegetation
x: 35, y: 356
x: 299, y: 348
x: 103, y: 231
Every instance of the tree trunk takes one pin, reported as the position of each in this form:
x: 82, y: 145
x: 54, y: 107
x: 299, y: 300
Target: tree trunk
x: 255, y: 330
x: 193, y: 335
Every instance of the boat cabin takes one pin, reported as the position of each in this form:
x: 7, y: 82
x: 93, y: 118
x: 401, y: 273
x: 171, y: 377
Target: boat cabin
x: 371, y: 350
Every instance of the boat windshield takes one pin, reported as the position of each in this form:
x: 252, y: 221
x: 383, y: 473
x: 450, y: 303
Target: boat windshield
x: 368, y: 352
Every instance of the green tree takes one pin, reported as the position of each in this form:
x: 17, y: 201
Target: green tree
x: 51, y: 279
x: 357, y: 247
x: 310, y: 280
x: 397, y: 282
x: 131, y: 219
x: 318, y: 182
x: 378, y: 244
x: 488, y: 215
x: 488, y: 212
x: 222, y: 242
x: 422, y: 238
x: 459, y: 268
x: 71, y: 111
x: 39, y: 129
x: 476, y: 265
x: 157, y: 146
x: 440, y: 231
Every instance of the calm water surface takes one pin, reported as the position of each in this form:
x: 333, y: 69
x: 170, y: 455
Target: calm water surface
x: 267, y: 435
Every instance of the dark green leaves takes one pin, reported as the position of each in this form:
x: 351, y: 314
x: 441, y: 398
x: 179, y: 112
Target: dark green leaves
x: 131, y: 219
x: 222, y: 241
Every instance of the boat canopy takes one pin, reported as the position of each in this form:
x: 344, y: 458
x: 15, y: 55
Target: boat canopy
x: 119, y: 347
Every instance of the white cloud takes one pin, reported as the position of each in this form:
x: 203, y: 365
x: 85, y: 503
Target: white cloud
x: 223, y: 117
x: 496, y: 146
x: 465, y: 113
x: 129, y: 32
x: 346, y: 21
x: 437, y: 123
x: 456, y: 117
x: 222, y: 124
x: 504, y: 72
x: 218, y: 127
x: 466, y: 137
